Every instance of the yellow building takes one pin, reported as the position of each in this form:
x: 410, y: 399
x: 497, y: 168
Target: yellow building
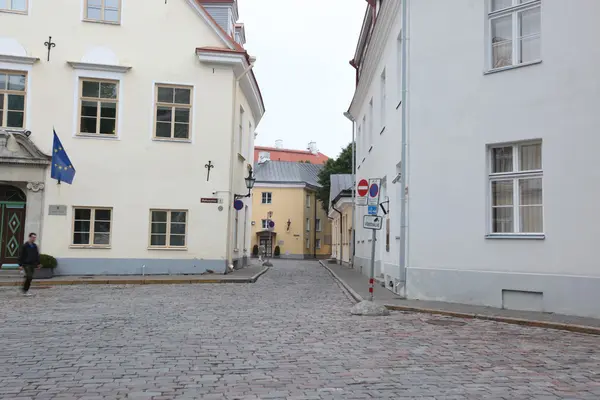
x: 341, y: 216
x: 288, y: 191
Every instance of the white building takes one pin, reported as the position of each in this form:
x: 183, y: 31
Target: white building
x: 143, y: 95
x: 501, y: 133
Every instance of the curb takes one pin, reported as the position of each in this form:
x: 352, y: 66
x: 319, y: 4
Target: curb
x: 188, y: 281
x: 590, y: 330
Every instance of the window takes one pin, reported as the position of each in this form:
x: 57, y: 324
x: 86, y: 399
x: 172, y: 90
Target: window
x: 168, y: 229
x: 399, y: 66
x: 516, y: 189
x: 13, y: 89
x: 308, y: 200
x: 267, y: 197
x: 98, y: 101
x: 13, y: 5
x: 318, y: 244
x: 515, y: 32
x: 383, y: 99
x: 108, y: 11
x: 91, y: 226
x: 263, y: 156
x: 307, y: 224
x: 318, y: 225
x: 265, y: 224
x: 307, y: 243
x: 241, y: 132
x: 173, y: 112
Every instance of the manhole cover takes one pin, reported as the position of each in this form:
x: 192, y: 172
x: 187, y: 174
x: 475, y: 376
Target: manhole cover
x: 445, y: 322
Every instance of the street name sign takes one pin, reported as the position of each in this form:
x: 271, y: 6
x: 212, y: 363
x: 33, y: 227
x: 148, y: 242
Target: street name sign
x: 374, y: 222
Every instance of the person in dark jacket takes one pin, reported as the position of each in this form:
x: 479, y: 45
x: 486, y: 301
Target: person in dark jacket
x: 29, y: 259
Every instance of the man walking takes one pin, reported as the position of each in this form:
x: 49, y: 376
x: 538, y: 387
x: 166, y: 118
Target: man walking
x: 29, y: 259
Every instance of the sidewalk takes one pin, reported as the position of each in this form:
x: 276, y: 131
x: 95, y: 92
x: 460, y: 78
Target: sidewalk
x: 244, y: 275
x: 358, y: 286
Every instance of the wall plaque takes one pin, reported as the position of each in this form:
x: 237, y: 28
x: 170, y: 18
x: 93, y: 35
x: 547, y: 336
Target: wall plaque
x: 57, y: 210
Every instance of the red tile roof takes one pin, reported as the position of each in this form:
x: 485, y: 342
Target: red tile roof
x: 291, y: 155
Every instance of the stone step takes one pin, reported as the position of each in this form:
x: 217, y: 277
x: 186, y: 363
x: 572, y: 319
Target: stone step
x: 10, y: 273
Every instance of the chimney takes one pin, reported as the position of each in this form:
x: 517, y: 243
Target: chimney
x: 312, y: 147
x: 279, y: 144
x: 224, y: 12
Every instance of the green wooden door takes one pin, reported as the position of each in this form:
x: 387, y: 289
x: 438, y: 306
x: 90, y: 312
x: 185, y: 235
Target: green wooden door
x: 12, y: 224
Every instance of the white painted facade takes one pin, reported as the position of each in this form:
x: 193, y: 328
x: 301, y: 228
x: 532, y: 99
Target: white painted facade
x: 133, y: 171
x: 541, y: 254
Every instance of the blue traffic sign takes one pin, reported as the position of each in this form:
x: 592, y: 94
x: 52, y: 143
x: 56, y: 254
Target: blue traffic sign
x: 372, y: 210
x: 374, y: 190
x: 238, y: 205
x: 271, y: 224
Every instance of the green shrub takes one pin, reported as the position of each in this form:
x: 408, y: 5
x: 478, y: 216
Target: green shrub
x: 48, y: 261
x: 255, y: 250
x: 277, y: 252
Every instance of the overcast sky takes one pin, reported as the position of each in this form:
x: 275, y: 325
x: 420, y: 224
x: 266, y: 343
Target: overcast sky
x: 303, y: 48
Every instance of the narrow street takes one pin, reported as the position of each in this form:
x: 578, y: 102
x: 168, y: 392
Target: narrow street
x: 288, y: 336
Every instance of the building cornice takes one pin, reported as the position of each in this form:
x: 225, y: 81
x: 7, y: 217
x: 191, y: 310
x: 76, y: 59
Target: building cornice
x: 23, y: 60
x: 374, y: 53
x: 120, y: 69
x: 239, y: 61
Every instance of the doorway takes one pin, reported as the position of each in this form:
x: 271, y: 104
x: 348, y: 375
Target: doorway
x: 12, y: 225
x: 268, y: 243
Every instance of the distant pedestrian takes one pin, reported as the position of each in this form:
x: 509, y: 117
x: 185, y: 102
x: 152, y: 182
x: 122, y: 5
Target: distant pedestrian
x: 29, y: 260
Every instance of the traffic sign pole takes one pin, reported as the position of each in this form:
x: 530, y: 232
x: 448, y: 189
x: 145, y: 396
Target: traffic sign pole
x: 372, y: 275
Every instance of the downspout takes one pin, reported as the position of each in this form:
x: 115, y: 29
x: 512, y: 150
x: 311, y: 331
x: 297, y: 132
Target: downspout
x: 403, y: 167
x: 351, y: 118
x: 341, y: 233
x: 230, y: 210
x: 315, y: 225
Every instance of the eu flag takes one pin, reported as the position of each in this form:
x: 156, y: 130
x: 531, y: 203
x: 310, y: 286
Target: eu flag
x: 62, y: 169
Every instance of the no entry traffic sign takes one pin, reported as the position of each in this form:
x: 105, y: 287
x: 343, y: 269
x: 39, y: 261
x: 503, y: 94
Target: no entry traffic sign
x: 362, y: 189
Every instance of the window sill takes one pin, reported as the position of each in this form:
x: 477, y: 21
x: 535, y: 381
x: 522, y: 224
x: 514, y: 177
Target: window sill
x: 517, y: 236
x: 101, y: 137
x: 511, y: 67
x: 14, y: 12
x: 168, y: 248
x: 88, y: 247
x: 171, y: 140
x: 97, y: 21
x: 382, y: 130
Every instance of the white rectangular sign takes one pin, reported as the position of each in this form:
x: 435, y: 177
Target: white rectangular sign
x: 373, y: 222
x: 374, y: 190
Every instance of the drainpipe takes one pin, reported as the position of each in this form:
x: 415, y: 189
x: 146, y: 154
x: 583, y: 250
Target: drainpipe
x: 315, y: 235
x: 404, y: 167
x: 230, y: 210
x: 351, y: 118
x: 341, y: 233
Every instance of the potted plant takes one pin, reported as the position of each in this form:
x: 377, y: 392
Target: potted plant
x: 277, y: 252
x: 47, y: 270
x: 255, y: 251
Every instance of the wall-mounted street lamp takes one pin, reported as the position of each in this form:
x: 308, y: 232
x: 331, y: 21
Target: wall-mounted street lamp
x: 250, y: 181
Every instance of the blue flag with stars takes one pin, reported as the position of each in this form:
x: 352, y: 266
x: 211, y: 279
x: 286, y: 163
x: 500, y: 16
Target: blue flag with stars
x: 62, y: 169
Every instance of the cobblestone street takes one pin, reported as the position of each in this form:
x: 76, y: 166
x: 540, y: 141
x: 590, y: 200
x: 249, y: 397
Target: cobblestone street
x: 288, y: 336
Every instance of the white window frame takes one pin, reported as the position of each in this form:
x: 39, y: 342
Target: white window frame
x: 98, y: 102
x: 264, y: 223
x: 156, y: 104
x: 308, y: 243
x: 318, y: 225
x: 307, y: 224
x: 318, y: 244
x: 6, y: 6
x: 91, y: 244
x: 267, y: 198
x: 168, y: 245
x: 103, y: 7
x: 5, y: 93
x: 513, y: 11
x: 307, y: 201
x: 515, y: 176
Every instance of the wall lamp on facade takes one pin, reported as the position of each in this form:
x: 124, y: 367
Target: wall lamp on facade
x: 250, y: 181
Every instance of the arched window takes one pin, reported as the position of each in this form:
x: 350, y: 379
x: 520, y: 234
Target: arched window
x: 11, y: 193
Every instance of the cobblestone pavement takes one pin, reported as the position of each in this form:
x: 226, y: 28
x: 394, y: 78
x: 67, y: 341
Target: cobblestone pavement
x: 288, y: 336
